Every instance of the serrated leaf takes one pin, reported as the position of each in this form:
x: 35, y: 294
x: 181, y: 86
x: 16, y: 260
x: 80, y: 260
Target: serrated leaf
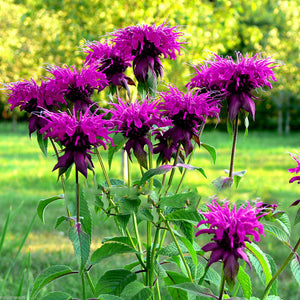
x: 173, y: 279
x: 50, y: 274
x: 120, y: 239
x: 43, y: 143
x: 277, y: 232
x: 297, y: 218
x: 212, y: 151
x: 57, y: 296
x: 118, y: 142
x: 110, y: 249
x: 245, y: 282
x: 191, y: 250
x: 194, y: 289
x: 81, y: 244
x: 295, y: 267
x: 59, y: 220
x: 132, y: 289
x: 262, y: 259
x: 113, y: 282
x: 179, y: 200
x: 157, y: 171
x: 188, y: 215
x: 85, y: 213
x: 109, y: 297
x: 144, y: 214
x: 44, y: 203
x: 285, y: 223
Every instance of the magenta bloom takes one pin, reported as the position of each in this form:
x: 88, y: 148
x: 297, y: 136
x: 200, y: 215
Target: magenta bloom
x: 77, y: 86
x: 231, y: 229
x: 147, y: 44
x: 134, y: 121
x: 77, y: 136
x: 32, y: 98
x: 110, y: 60
x: 187, y: 111
x: 235, y: 80
x: 295, y: 170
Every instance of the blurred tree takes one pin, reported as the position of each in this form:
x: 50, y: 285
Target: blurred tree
x: 38, y: 32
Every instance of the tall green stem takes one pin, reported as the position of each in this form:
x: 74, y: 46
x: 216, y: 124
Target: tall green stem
x: 103, y: 167
x: 236, y: 125
x: 87, y: 274
x: 83, y: 286
x: 148, y: 282
x: 285, y: 263
x: 178, y: 247
x: 173, y: 170
x: 222, y: 287
x: 77, y: 198
x: 190, y: 159
x: 156, y: 238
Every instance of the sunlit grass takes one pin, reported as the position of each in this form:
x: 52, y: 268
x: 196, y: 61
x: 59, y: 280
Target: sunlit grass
x: 26, y: 176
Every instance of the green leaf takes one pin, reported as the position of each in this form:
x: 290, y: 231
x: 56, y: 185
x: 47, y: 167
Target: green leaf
x: 43, y: 143
x: 50, y: 274
x: 193, y: 289
x: 59, y: 220
x: 57, y: 296
x: 295, y: 267
x: 272, y: 297
x: 118, y: 142
x: 245, y: 282
x: 81, y: 243
x: 86, y: 222
x: 285, y: 223
x: 277, y: 232
x: 120, y: 239
x: 188, y: 215
x: 212, y: 151
x: 173, y: 279
x: 157, y: 171
x: 144, y: 214
x: 114, y: 281
x: 297, y: 218
x: 180, y: 200
x: 109, y: 297
x: 44, y: 203
x: 136, y: 291
x: 132, y: 265
x: 262, y: 259
x: 3, y: 233
x: 110, y: 249
x: 190, y: 249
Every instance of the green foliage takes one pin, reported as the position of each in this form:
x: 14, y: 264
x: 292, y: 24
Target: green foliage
x: 245, y: 282
x: 44, y: 203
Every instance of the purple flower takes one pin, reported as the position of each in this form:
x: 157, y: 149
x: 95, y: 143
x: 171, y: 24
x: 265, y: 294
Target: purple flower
x: 295, y: 170
x: 147, y: 44
x: 77, y: 136
x: 231, y: 229
x: 77, y: 86
x: 32, y: 98
x: 110, y: 60
x: 187, y: 111
x: 235, y: 80
x: 134, y: 121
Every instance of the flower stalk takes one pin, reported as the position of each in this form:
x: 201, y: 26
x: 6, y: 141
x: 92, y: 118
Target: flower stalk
x: 233, y: 146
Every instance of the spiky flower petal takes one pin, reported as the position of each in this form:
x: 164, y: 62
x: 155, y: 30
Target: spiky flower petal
x: 235, y: 80
x: 231, y: 229
x: 148, y: 43
x: 77, y: 135
x: 296, y: 170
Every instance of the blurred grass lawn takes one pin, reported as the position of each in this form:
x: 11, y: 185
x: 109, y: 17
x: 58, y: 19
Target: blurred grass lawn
x: 25, y: 176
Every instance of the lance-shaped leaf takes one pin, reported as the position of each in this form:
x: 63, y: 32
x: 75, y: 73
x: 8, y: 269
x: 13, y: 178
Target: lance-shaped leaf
x: 262, y: 259
x: 57, y: 296
x: 212, y: 151
x: 44, y: 203
x: 188, y: 215
x: 245, y: 282
x: 113, y: 282
x: 180, y: 200
x: 135, y: 290
x: 194, y: 289
x: 295, y: 267
x: 110, y: 249
x: 50, y: 274
x: 81, y: 243
x: 43, y: 143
